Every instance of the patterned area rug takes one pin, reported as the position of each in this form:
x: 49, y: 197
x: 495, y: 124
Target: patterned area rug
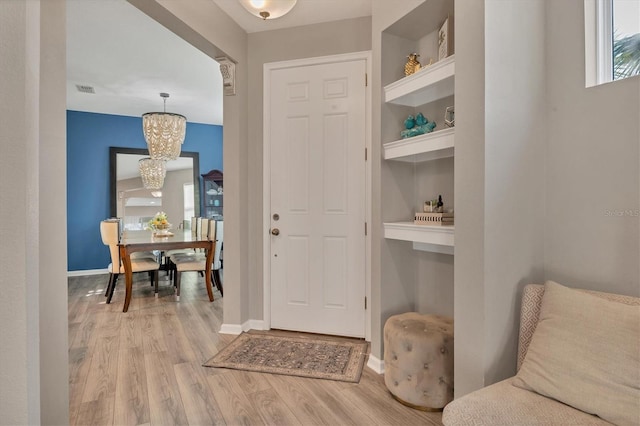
x: 294, y: 356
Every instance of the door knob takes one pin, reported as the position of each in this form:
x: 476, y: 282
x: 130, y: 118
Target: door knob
x: 275, y: 231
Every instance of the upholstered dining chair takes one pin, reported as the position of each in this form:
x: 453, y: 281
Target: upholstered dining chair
x: 136, y: 255
x: 196, y: 261
x: 194, y: 231
x: 217, y: 258
x: 109, y: 231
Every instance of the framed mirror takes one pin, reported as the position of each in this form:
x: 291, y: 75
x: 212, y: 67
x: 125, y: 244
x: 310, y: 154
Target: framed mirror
x: 136, y: 205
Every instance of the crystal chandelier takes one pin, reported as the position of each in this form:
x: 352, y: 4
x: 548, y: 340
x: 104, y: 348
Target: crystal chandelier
x: 152, y: 172
x: 268, y: 8
x: 164, y: 132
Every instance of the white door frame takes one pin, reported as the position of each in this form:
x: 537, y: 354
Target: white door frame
x: 266, y: 174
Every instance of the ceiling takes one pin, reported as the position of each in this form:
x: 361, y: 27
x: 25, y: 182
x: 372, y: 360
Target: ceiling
x: 128, y: 58
x: 305, y: 12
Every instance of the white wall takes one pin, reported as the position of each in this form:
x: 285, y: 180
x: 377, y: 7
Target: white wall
x: 591, y: 166
x: 33, y: 306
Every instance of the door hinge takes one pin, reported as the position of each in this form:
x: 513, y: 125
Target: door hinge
x: 365, y: 154
x: 365, y: 228
x: 365, y: 303
x: 366, y: 79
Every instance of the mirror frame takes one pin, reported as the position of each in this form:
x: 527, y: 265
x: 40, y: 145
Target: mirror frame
x: 113, y: 156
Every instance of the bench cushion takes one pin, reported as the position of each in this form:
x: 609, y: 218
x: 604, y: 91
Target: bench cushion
x: 504, y: 404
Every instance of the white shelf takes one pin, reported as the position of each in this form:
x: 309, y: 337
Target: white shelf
x: 427, y: 147
x: 430, y: 84
x: 428, y: 238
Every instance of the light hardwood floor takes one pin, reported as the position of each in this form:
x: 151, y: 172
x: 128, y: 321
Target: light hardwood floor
x: 145, y: 367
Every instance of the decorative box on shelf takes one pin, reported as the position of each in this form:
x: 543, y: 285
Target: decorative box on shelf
x: 433, y: 219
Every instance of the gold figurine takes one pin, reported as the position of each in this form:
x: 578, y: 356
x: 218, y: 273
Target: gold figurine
x: 412, y: 65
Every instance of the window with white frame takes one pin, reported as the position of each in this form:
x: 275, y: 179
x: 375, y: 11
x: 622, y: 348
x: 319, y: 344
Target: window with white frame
x: 612, y: 40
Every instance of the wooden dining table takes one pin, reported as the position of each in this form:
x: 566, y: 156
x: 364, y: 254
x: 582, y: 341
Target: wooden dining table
x: 133, y: 241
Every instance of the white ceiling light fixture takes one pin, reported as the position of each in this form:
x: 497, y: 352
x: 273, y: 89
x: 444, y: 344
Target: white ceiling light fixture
x: 152, y: 172
x: 268, y: 9
x: 164, y: 132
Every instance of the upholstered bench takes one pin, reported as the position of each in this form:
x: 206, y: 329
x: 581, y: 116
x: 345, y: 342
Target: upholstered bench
x: 418, y: 358
x: 578, y: 358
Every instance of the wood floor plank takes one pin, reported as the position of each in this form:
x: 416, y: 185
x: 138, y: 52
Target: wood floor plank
x: 199, y: 402
x: 165, y: 402
x: 272, y: 409
x: 203, y: 341
x: 131, y: 330
x: 98, y: 412
x: 232, y: 400
x: 79, y: 364
x: 251, y: 381
x: 101, y: 378
x: 177, y: 344
x: 131, y: 397
x: 152, y: 336
x: 302, y: 403
x: 349, y: 414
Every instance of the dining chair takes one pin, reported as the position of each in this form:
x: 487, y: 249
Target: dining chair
x: 217, y: 259
x: 109, y: 231
x: 196, y: 261
x: 136, y: 255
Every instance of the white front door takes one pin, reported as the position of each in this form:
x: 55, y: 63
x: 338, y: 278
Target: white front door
x: 317, y: 136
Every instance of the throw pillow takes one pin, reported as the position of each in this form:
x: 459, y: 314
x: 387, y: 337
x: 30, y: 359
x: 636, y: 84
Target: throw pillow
x: 585, y: 352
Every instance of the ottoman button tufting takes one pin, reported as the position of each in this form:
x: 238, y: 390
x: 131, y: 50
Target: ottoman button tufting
x: 427, y: 342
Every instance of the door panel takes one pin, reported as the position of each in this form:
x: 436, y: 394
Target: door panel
x: 317, y: 135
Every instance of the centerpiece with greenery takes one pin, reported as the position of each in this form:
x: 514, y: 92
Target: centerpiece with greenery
x: 159, y: 223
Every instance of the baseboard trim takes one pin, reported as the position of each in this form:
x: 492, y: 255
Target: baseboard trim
x: 87, y: 272
x: 375, y: 364
x: 230, y: 329
x: 245, y: 326
x: 253, y: 325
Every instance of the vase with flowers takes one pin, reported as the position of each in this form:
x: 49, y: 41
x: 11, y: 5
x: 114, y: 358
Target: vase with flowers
x: 159, y: 224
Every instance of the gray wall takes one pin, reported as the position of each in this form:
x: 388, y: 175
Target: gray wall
x: 499, y: 187
x: 33, y: 305
x: 591, y: 166
x: 332, y: 38
x: 534, y: 149
x: 469, y: 315
x: 514, y: 163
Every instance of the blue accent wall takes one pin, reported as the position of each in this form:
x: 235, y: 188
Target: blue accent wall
x: 89, y: 137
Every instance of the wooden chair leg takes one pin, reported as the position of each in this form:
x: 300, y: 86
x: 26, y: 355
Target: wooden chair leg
x: 112, y: 286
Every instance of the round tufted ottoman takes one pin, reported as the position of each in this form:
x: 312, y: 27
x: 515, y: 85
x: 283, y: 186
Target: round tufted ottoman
x: 418, y: 359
